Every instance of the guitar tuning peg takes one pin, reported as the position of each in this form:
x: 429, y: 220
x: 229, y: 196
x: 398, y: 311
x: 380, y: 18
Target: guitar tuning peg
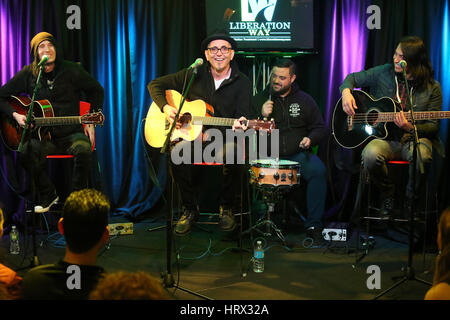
x: 265, y: 119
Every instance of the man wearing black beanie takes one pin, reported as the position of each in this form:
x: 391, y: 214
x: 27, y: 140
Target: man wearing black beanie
x: 63, y: 83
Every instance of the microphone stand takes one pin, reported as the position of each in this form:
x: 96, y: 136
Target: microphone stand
x: 409, y: 271
x: 35, y: 261
x: 167, y: 276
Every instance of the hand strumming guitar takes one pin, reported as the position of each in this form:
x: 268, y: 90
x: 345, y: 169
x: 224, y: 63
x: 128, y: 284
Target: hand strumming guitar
x: 348, y: 102
x: 170, y: 113
x: 20, y: 118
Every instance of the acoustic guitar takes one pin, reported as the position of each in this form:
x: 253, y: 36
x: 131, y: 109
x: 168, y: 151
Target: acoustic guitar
x: 43, y: 116
x: 193, y: 116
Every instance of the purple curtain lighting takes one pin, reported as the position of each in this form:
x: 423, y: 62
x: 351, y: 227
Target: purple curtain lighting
x: 346, y: 45
x: 13, y: 55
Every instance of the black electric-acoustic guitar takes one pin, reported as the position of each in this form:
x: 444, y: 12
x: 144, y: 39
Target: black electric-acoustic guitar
x: 373, y: 118
x: 43, y: 116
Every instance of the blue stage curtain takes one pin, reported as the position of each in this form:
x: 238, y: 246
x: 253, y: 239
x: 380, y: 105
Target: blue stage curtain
x: 124, y: 45
x: 127, y: 43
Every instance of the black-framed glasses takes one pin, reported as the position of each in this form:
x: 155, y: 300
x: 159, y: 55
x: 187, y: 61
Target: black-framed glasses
x: 223, y: 49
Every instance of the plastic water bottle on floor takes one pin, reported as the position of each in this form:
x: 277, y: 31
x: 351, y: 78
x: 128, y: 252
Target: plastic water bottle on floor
x: 258, y: 257
x: 14, y: 247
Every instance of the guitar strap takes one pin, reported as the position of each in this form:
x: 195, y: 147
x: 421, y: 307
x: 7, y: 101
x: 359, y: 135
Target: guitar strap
x: 403, y: 97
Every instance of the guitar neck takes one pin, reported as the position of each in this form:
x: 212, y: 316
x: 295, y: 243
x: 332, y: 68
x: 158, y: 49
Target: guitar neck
x: 57, y: 121
x: 212, y: 121
x: 420, y: 115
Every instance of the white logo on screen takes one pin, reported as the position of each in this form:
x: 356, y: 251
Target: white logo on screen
x: 256, y: 6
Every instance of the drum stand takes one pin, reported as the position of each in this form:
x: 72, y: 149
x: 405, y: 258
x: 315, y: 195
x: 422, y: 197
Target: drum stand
x: 272, y: 196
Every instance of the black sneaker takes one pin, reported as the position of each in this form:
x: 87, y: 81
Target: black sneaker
x: 226, y: 219
x: 46, y: 204
x: 387, y: 206
x: 185, y: 222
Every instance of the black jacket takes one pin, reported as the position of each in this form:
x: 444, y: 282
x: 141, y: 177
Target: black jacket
x: 231, y: 100
x: 296, y: 116
x: 71, y: 84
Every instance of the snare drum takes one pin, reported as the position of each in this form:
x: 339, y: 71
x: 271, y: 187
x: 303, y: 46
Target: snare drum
x: 275, y: 173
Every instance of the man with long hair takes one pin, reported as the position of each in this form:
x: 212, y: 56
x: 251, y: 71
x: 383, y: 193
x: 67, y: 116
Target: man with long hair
x: 388, y: 81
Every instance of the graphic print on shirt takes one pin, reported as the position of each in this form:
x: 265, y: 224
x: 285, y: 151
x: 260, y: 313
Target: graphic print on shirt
x: 294, y: 110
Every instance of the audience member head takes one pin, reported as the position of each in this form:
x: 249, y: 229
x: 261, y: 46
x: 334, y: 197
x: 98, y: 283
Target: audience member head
x: 84, y: 221
x: 442, y: 272
x: 129, y: 286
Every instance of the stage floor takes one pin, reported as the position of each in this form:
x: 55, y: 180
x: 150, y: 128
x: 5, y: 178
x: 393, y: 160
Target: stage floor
x: 212, y: 263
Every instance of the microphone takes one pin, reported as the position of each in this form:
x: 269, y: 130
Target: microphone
x: 197, y: 63
x: 403, y: 64
x: 43, y: 60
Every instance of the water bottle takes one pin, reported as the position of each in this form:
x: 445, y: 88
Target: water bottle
x: 258, y: 257
x: 14, y: 247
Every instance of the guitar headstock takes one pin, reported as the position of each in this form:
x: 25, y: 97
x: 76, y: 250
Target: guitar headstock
x: 93, y: 118
x: 262, y: 125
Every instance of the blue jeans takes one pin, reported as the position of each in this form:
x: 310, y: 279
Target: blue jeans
x: 313, y: 171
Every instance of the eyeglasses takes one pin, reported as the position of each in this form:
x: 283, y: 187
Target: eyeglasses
x: 223, y: 49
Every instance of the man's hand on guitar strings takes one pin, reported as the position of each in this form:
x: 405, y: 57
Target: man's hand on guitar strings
x: 21, y: 119
x: 240, y: 123
x: 401, y: 121
x: 348, y: 102
x: 170, y: 113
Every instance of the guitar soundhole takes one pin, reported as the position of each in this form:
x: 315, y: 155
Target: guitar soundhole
x: 372, y: 117
x: 185, y: 118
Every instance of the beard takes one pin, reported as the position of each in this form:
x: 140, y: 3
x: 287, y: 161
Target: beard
x: 279, y: 91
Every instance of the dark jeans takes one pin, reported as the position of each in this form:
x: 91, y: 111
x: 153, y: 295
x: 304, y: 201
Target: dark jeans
x: 313, y: 171
x: 183, y: 175
x: 33, y: 159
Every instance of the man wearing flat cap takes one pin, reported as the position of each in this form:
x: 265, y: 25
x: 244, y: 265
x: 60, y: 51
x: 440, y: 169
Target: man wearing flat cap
x: 63, y: 84
x: 219, y: 83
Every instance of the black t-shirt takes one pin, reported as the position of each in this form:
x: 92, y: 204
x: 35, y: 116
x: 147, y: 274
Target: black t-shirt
x: 60, y: 281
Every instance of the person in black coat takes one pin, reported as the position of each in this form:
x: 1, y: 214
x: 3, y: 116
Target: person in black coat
x: 300, y: 125
x: 63, y: 84
x: 220, y: 84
